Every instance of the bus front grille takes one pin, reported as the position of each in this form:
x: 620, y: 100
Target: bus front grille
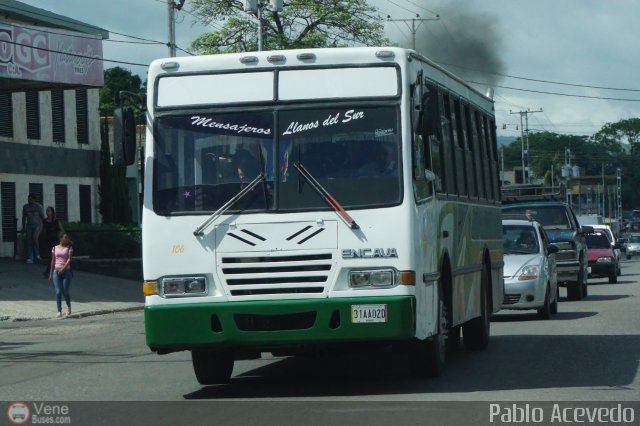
x: 288, y: 274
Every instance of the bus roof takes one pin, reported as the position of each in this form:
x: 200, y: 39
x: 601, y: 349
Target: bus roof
x: 316, y: 57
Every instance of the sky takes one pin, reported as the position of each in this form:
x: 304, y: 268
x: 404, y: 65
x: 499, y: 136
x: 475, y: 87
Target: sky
x: 507, y: 44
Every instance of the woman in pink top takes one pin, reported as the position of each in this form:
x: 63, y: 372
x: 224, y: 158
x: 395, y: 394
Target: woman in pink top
x: 61, y: 271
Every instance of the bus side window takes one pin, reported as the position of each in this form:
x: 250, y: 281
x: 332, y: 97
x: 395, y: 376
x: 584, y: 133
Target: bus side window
x: 458, y: 146
x: 433, y: 136
x: 448, y: 161
x: 470, y: 170
x: 479, y: 154
x: 486, y: 157
x: 422, y: 127
x: 494, y: 160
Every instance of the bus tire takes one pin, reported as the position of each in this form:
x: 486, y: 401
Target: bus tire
x: 476, y: 332
x: 212, y: 367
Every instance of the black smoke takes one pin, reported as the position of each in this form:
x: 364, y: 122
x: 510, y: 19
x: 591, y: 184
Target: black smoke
x: 465, y: 41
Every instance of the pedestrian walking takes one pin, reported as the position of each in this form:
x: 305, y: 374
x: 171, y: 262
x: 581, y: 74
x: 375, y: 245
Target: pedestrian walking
x: 61, y: 274
x: 52, y: 228
x: 32, y: 217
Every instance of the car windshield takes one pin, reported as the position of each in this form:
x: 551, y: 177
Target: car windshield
x: 202, y: 160
x: 634, y: 239
x: 550, y: 217
x: 519, y: 239
x: 597, y: 241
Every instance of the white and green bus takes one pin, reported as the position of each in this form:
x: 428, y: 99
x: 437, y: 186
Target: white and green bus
x: 305, y: 198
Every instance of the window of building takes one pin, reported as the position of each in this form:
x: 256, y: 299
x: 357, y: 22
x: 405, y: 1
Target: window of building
x: 82, y: 116
x: 8, y: 202
x: 61, y: 202
x: 85, y: 203
x: 36, y: 189
x: 6, y: 114
x: 57, y: 115
x: 32, y: 98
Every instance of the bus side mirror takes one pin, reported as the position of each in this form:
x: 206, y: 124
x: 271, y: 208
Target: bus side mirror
x: 551, y: 249
x: 124, y: 136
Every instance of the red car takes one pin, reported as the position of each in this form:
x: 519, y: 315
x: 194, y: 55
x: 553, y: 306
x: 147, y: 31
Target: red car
x: 602, y: 260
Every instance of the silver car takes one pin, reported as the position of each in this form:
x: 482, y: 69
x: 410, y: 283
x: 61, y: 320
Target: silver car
x: 530, y: 277
x: 633, y: 245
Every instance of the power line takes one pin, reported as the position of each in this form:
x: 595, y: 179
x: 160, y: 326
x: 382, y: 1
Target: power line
x: 76, y: 55
x: 555, y: 93
x: 588, y: 86
x: 402, y: 7
x: 422, y: 7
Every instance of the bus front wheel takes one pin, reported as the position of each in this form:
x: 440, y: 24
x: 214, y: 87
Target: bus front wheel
x: 212, y: 367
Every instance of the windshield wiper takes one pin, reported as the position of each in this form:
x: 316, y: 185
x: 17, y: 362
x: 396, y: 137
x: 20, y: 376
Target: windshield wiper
x: 328, y: 198
x: 200, y: 229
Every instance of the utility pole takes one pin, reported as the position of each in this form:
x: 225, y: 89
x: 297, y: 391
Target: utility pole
x: 171, y: 8
x: 619, y: 198
x: 257, y: 7
x: 413, y: 28
x: 524, y: 135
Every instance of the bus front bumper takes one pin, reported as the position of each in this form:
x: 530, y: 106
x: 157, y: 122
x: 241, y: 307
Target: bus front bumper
x: 274, y: 323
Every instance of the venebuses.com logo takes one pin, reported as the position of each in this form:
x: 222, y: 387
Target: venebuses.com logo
x: 18, y: 413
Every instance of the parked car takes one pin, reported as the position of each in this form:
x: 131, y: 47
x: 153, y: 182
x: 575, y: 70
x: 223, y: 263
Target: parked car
x: 562, y: 228
x: 602, y: 262
x: 530, y: 276
x: 606, y: 229
x: 633, y: 245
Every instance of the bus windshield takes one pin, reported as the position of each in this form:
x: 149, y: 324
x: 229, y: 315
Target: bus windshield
x: 203, y: 159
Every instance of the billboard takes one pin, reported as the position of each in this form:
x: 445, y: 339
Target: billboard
x: 50, y: 55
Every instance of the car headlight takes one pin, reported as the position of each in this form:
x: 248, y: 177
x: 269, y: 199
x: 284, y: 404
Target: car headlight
x: 606, y: 259
x: 373, y: 278
x: 529, y: 272
x: 183, y: 286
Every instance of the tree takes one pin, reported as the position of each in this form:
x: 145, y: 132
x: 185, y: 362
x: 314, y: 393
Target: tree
x: 616, y: 134
x: 301, y: 24
x: 114, y: 195
x: 115, y: 80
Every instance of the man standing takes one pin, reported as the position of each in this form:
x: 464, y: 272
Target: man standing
x: 32, y: 217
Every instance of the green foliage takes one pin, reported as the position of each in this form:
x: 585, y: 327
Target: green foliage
x: 104, y: 241
x: 301, y: 24
x: 114, y: 194
x: 616, y: 145
x: 115, y: 80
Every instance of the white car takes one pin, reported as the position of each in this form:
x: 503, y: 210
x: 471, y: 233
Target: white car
x: 530, y: 277
x: 606, y: 229
x: 633, y: 245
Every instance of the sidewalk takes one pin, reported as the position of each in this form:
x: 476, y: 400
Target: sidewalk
x: 26, y: 295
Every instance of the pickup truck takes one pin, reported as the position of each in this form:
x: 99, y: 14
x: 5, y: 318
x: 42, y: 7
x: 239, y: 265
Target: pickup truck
x: 564, y: 231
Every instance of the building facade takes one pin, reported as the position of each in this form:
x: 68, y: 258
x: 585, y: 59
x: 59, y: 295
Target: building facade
x: 50, y: 71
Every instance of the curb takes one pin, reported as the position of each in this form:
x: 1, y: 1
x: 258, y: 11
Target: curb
x: 76, y: 316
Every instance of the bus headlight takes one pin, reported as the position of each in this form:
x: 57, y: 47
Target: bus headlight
x: 373, y: 278
x: 183, y: 286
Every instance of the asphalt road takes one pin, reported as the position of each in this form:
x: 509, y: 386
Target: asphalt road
x: 589, y: 351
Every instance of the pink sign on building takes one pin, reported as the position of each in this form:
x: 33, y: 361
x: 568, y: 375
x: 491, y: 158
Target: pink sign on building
x: 50, y: 55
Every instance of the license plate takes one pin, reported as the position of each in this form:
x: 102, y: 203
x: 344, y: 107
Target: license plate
x: 369, y: 313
